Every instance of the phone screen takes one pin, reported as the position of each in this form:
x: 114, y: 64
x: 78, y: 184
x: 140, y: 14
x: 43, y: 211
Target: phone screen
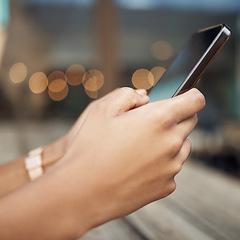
x: 190, y: 63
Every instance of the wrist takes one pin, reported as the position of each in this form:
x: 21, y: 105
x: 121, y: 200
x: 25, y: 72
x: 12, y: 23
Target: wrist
x: 75, y: 201
x: 40, y: 159
x: 53, y: 153
x: 91, y: 199
x: 13, y: 176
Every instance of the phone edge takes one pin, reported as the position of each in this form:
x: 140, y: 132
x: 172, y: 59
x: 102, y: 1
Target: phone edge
x: 227, y: 31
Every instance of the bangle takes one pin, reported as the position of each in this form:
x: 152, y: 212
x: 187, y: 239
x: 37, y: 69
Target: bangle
x: 33, y: 163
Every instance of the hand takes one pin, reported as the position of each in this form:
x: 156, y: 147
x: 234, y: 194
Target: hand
x: 70, y: 136
x: 126, y: 157
x: 56, y: 150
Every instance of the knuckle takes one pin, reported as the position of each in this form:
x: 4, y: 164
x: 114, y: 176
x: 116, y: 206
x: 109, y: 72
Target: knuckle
x: 177, y: 168
x: 172, y: 187
x: 195, y: 118
x: 117, y: 90
x: 127, y: 90
x: 98, y: 106
x: 164, y: 121
x: 186, y: 150
x: 130, y: 95
x: 176, y: 144
x: 189, y: 144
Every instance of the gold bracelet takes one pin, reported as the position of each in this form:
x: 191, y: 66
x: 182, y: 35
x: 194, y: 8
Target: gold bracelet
x: 33, y: 163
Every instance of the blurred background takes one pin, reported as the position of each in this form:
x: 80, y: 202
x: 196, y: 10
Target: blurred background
x: 56, y: 56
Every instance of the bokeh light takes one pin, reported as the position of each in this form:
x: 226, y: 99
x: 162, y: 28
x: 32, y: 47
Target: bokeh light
x: 18, y: 72
x: 74, y: 74
x: 142, y: 79
x: 57, y: 86
x: 162, y: 50
x: 38, y: 82
x: 92, y: 94
x: 56, y: 75
x: 58, y: 96
x: 157, y: 73
x: 93, y: 80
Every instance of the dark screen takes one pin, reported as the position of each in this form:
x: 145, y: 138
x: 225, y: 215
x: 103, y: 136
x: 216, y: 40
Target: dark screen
x: 183, y: 64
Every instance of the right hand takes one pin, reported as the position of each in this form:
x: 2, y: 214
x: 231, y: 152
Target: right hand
x: 125, y: 157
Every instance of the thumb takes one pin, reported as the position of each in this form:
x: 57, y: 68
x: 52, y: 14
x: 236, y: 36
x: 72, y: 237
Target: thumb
x: 125, y: 99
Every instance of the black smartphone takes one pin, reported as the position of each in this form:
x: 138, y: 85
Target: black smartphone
x: 191, y: 62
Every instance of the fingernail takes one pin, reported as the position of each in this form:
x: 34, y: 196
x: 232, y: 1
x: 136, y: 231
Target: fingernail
x: 141, y: 91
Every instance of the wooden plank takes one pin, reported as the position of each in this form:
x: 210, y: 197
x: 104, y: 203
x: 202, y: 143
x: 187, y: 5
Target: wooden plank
x: 204, y: 206
x: 212, y: 196
x: 157, y: 221
x: 191, y: 216
x: 114, y: 230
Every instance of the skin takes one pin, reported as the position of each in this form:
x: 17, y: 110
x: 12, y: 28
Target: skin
x: 124, y: 155
x: 14, y: 173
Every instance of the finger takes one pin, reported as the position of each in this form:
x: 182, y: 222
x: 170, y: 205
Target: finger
x: 141, y: 91
x: 183, y: 106
x: 184, y: 153
x: 125, y: 99
x: 186, y: 126
x: 76, y: 127
x: 188, y: 104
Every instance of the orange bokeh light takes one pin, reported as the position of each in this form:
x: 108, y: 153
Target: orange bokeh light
x: 18, y: 72
x: 74, y: 74
x: 162, y: 50
x: 142, y: 79
x: 92, y: 94
x: 57, y: 86
x: 93, y: 80
x: 157, y: 73
x: 56, y: 75
x: 38, y: 82
x: 58, y: 96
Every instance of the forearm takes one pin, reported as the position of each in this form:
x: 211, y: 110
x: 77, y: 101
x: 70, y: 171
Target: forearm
x: 14, y: 174
x: 48, y: 208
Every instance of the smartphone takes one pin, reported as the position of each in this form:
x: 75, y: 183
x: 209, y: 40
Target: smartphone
x: 191, y: 62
